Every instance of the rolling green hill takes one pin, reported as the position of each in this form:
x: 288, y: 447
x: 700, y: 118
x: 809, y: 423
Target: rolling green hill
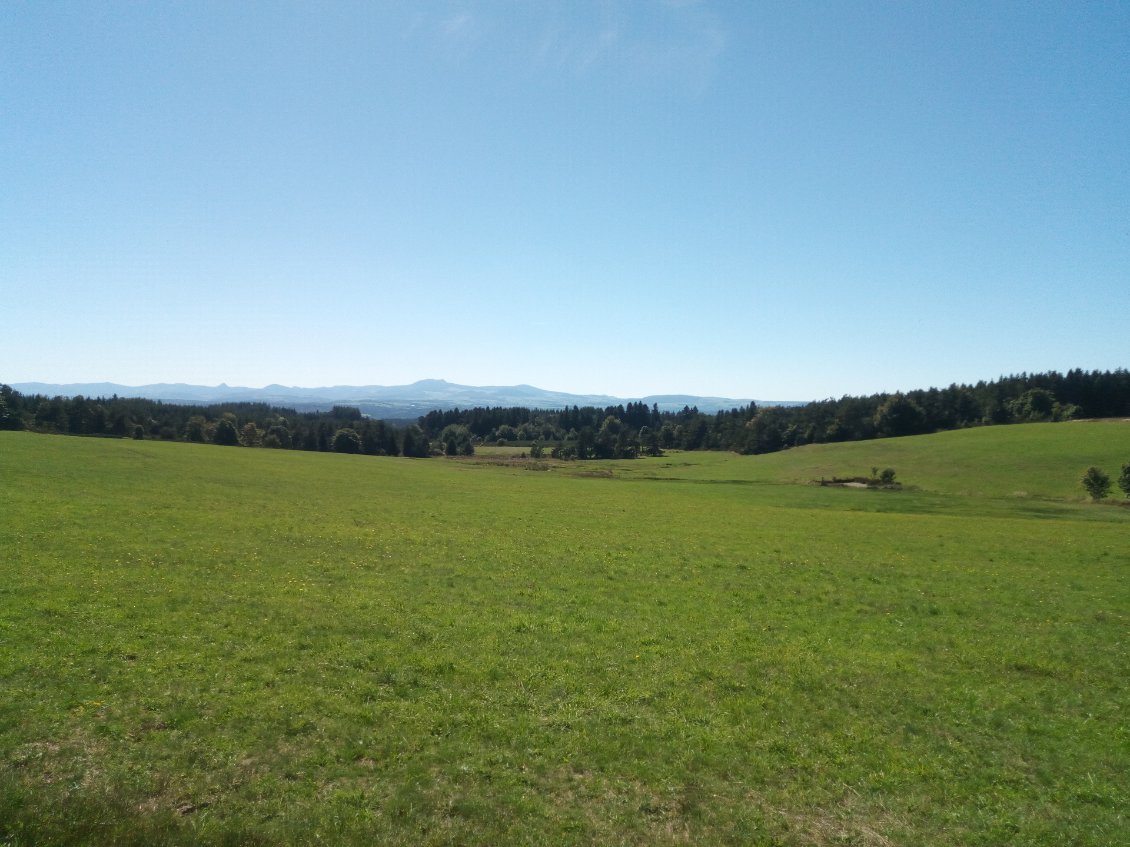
x: 205, y: 645
x: 1044, y: 460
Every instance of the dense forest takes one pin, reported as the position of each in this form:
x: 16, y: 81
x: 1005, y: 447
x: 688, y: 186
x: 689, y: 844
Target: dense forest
x: 633, y: 429
x: 343, y: 428
x: 621, y: 431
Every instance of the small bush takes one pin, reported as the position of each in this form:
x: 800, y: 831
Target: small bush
x: 1096, y: 482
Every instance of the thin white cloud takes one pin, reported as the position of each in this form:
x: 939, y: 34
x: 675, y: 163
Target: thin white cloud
x: 673, y: 42
x: 456, y: 25
x: 460, y: 34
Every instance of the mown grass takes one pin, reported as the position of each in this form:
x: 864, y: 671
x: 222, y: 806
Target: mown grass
x: 204, y: 645
x: 1024, y: 460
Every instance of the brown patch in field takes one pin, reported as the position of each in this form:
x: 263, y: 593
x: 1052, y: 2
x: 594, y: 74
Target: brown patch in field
x: 624, y: 811
x: 847, y: 823
x: 49, y: 761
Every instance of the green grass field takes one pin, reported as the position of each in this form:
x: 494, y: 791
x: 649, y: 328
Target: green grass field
x: 205, y: 645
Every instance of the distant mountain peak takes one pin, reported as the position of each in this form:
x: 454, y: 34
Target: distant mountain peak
x: 394, y: 402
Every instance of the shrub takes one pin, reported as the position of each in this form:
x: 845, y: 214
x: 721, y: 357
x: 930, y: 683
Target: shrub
x: 564, y: 451
x: 1124, y: 479
x: 887, y: 477
x: 1096, y: 482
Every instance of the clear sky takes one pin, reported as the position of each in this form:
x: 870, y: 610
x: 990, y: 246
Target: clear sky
x: 789, y: 200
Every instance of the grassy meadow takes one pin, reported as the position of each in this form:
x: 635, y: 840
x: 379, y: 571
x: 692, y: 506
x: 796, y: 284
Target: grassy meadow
x: 206, y: 645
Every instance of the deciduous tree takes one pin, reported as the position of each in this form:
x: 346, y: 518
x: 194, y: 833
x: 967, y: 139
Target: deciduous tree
x: 415, y: 443
x: 346, y: 440
x: 225, y: 432
x: 196, y: 429
x: 899, y: 415
x: 1096, y: 482
x: 251, y: 435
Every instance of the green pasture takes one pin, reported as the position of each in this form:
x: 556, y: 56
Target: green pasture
x: 207, y: 645
x: 1043, y: 461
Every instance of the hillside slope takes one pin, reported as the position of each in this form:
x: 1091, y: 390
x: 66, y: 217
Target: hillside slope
x: 1023, y: 460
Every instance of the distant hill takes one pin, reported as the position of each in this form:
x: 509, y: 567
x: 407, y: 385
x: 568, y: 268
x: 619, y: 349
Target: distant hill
x: 1030, y: 461
x: 391, y: 402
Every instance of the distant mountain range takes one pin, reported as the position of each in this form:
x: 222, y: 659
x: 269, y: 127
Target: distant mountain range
x: 390, y: 402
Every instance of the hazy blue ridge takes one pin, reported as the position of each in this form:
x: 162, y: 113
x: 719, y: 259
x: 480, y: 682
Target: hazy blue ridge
x: 382, y: 400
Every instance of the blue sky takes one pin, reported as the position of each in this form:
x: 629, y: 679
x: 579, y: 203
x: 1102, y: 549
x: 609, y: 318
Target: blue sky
x: 771, y: 200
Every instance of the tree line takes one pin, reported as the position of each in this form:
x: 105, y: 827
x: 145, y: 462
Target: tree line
x: 620, y: 431
x: 343, y: 428
x: 623, y: 431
